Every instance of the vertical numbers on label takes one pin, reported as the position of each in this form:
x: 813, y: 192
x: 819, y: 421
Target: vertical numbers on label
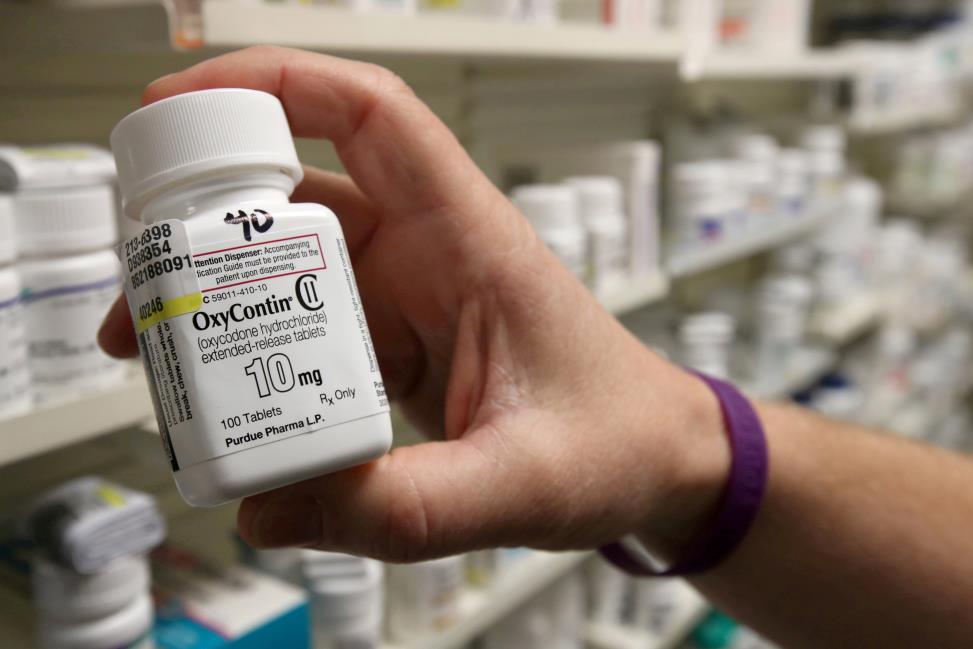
x: 276, y: 375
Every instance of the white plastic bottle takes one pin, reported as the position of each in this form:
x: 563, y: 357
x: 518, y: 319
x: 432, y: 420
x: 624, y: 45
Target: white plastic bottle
x: 707, y: 339
x: 554, y: 212
x: 783, y: 302
x: 757, y: 153
x: 792, y: 184
x: 702, y: 203
x: 14, y: 376
x: 600, y: 199
x: 70, y: 279
x: 346, y: 600
x: 423, y: 597
x: 252, y: 331
x: 111, y: 609
x: 825, y: 145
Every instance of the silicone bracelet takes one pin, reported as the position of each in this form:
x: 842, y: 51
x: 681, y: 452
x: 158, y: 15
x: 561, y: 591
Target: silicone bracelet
x: 739, y: 503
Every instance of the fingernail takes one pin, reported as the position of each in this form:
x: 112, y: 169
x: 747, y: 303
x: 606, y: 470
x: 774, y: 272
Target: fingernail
x: 287, y: 521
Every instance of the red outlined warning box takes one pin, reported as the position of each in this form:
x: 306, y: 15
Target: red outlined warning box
x: 259, y: 261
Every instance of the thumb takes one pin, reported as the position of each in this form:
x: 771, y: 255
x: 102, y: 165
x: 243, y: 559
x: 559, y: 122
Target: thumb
x: 419, y: 502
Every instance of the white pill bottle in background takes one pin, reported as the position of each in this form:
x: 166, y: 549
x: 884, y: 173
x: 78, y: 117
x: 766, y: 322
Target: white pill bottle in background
x: 70, y: 278
x: 600, y: 202
x: 14, y: 376
x: 249, y: 320
x: 555, y: 213
x: 111, y: 609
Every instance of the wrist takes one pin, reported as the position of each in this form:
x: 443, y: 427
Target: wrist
x: 698, y: 467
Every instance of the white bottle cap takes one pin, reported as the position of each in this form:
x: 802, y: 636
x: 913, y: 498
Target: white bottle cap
x: 65, y: 219
x: 597, y: 195
x: 197, y: 134
x: 64, y: 594
x: 548, y: 206
x: 8, y: 242
x: 58, y: 165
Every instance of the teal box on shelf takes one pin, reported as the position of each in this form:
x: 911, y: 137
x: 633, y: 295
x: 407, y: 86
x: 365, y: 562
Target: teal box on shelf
x: 201, y: 606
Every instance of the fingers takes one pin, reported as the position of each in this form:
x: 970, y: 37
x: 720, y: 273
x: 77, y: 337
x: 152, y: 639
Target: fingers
x: 389, y: 141
x: 420, y: 502
x: 117, y: 335
x: 357, y: 214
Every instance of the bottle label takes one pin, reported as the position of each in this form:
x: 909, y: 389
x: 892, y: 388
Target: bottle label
x: 62, y: 325
x: 14, y: 377
x: 251, y: 340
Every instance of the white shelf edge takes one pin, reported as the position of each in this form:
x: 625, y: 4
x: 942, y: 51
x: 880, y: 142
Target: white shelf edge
x: 635, y: 294
x: 484, y: 607
x: 49, y: 428
x: 904, y: 121
x: 811, y: 363
x: 707, y: 257
x: 610, y: 636
x: 803, y: 65
x: 846, y: 321
x: 233, y: 24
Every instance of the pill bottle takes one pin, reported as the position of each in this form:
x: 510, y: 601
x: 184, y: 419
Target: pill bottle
x: 706, y: 340
x: 70, y: 278
x: 792, y: 184
x: 15, y: 398
x: 702, y: 203
x: 555, y: 213
x: 346, y: 600
x: 600, y: 200
x: 249, y: 320
x: 783, y: 303
x: 757, y: 156
x: 825, y: 146
x: 110, y: 609
x: 423, y: 597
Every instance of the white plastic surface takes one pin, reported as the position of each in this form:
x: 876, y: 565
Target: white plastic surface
x: 65, y: 220
x: 63, y: 594
x: 66, y: 299
x: 202, y: 133
x: 8, y: 241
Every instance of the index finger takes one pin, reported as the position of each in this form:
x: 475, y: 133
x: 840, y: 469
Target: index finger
x: 391, y: 144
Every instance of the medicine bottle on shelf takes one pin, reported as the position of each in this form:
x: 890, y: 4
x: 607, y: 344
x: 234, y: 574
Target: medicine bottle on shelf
x: 14, y: 377
x: 248, y: 317
x: 554, y: 212
x: 70, y: 278
x: 111, y: 609
x: 600, y: 200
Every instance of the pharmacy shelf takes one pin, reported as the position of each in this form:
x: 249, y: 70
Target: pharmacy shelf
x: 809, y: 365
x: 481, y: 608
x: 53, y: 427
x: 891, y: 124
x: 612, y: 636
x: 930, y: 208
x: 808, y: 65
x: 636, y: 294
x: 851, y: 318
x: 228, y: 23
x: 713, y: 255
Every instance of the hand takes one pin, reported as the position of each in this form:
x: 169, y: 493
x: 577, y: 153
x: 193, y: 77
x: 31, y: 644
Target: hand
x: 557, y: 428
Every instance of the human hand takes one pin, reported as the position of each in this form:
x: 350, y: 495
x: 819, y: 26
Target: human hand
x: 556, y: 428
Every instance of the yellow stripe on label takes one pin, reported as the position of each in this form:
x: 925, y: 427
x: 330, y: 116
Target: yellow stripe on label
x: 170, y: 309
x: 110, y: 496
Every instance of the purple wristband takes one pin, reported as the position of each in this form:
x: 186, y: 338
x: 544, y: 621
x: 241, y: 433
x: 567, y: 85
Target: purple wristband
x: 739, y: 503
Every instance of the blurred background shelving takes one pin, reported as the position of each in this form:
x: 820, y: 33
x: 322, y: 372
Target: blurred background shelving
x: 882, y: 339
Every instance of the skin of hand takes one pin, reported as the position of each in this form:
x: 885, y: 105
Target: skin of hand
x: 551, y: 425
